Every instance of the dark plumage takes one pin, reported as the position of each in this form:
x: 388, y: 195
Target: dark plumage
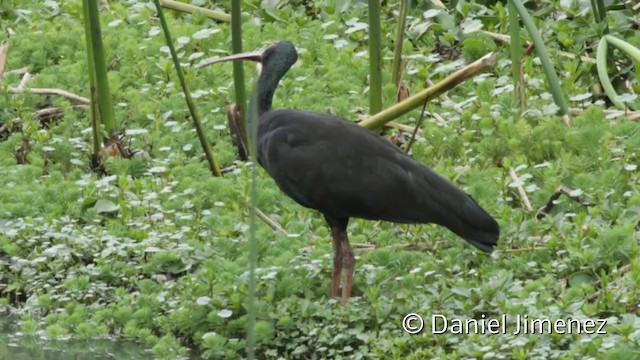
x: 343, y: 170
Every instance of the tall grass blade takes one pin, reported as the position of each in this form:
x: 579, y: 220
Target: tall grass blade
x: 253, y: 243
x: 515, y: 48
x: 547, y: 66
x: 95, y: 120
x: 213, y: 165
x: 397, y: 51
x: 375, y: 58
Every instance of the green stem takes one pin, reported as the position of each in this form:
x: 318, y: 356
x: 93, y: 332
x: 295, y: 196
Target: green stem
x: 516, y: 55
x: 375, y: 57
x: 397, y: 51
x: 238, y: 69
x: 104, y: 94
x: 95, y: 120
x: 253, y: 245
x: 215, y: 15
x: 486, y: 62
x: 596, y: 11
x: 602, y: 15
x: 213, y: 165
x: 601, y: 65
x: 547, y: 66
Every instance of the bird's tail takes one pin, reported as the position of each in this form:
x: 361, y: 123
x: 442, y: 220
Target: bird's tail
x: 475, y: 225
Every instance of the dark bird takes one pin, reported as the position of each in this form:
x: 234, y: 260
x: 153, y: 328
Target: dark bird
x: 343, y: 170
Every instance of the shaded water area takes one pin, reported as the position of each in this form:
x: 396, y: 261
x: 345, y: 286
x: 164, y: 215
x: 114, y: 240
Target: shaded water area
x: 15, y: 345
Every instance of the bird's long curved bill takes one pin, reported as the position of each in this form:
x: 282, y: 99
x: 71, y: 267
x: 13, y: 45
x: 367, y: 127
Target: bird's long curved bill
x: 251, y: 56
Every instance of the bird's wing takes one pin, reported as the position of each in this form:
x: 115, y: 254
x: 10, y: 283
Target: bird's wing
x: 337, y: 167
x: 343, y: 170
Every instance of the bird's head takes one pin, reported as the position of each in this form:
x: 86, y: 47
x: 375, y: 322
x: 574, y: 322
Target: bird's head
x: 280, y: 55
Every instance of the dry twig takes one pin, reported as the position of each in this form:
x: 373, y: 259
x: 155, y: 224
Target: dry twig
x: 402, y: 127
x: 556, y: 194
x: 269, y: 221
x: 523, y: 194
x: 622, y: 270
x: 237, y: 131
x: 47, y: 91
x: 4, y: 51
x: 630, y: 115
x: 18, y: 71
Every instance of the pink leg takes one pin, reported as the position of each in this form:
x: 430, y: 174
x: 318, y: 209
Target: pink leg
x: 348, y: 262
x: 337, y: 263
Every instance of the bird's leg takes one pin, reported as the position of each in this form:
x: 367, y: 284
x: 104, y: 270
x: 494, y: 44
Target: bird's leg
x: 348, y: 262
x: 339, y: 235
x: 337, y: 262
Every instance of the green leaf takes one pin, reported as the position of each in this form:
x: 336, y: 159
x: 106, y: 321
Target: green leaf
x: 87, y: 203
x: 580, y: 278
x: 106, y: 207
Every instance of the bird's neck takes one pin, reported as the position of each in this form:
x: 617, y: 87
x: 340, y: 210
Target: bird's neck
x: 262, y: 96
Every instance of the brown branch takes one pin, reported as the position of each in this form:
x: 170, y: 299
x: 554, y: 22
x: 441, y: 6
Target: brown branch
x: 403, y: 91
x: 439, y: 119
x: 269, y: 221
x: 19, y: 71
x: 523, y: 194
x: 236, y: 129
x: 4, y: 51
x: 538, y: 248
x: 43, y: 115
x: 630, y: 115
x: 415, y: 130
x: 47, y: 91
x: 544, y: 238
x: 556, y: 194
x: 25, y: 79
x: 621, y: 270
x: 402, y: 127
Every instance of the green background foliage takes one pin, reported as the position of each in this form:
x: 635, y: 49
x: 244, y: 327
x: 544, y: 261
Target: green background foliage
x: 156, y: 252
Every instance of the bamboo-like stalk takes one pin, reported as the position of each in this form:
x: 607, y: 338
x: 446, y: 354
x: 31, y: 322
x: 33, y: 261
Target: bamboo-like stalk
x: 515, y: 47
x: 397, y: 51
x: 238, y: 69
x: 213, y: 165
x: 211, y: 14
x: 105, y: 106
x: 375, y: 58
x: 484, y: 63
x: 547, y: 66
x: 95, y: 120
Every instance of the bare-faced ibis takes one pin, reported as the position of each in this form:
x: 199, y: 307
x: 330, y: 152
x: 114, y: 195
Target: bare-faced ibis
x: 343, y: 170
